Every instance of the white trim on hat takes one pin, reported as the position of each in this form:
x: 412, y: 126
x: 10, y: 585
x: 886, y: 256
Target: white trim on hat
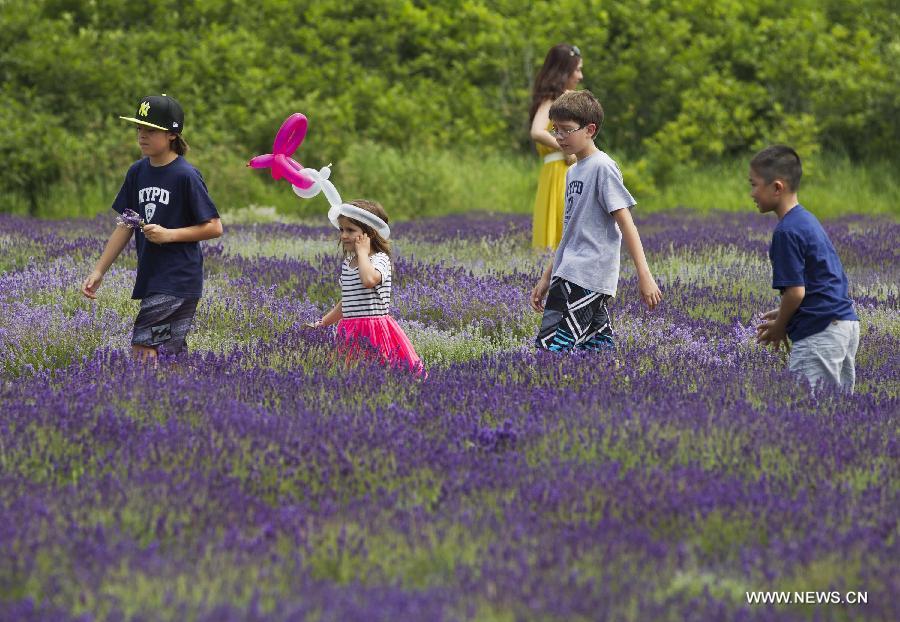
x: 138, y: 121
x: 358, y: 213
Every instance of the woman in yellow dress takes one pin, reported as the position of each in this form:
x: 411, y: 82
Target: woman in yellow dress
x: 561, y: 72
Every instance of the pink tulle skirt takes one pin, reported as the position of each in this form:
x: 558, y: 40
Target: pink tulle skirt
x: 380, y: 335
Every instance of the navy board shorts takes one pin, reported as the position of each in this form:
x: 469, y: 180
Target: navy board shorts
x: 163, y: 322
x: 574, y: 318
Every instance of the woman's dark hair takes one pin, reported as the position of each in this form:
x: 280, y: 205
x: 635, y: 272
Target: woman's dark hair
x: 550, y: 83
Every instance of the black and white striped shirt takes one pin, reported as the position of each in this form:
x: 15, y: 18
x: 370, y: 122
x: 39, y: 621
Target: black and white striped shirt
x: 359, y: 301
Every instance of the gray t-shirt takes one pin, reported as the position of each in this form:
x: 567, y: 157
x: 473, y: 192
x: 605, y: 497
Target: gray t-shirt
x: 588, y: 253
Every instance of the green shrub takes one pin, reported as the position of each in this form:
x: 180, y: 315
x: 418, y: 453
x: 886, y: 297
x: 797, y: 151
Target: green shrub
x: 682, y: 83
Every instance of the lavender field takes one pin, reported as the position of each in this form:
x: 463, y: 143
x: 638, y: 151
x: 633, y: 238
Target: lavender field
x: 258, y: 478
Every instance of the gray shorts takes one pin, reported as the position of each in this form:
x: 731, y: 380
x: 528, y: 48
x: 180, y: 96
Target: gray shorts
x: 828, y: 356
x: 163, y: 322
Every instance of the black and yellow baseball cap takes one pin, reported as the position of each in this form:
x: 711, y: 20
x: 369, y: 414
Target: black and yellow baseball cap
x: 159, y: 111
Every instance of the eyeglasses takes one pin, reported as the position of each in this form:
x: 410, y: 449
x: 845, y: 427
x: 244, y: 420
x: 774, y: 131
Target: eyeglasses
x: 564, y: 133
x: 574, y: 51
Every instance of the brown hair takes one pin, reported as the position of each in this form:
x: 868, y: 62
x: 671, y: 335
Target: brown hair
x: 550, y: 83
x: 179, y: 145
x: 379, y: 244
x: 580, y: 107
x: 778, y: 162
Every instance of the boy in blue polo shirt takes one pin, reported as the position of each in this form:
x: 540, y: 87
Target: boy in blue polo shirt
x: 816, y: 311
x: 171, y: 197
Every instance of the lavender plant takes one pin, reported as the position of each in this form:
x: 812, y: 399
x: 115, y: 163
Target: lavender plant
x: 260, y: 479
x: 131, y: 219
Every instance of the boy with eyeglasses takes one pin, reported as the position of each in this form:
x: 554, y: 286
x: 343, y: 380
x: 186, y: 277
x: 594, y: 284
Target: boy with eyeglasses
x: 584, y: 272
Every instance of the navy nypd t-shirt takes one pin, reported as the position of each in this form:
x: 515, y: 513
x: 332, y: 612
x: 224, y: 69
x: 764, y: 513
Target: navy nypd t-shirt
x: 803, y: 255
x: 172, y: 196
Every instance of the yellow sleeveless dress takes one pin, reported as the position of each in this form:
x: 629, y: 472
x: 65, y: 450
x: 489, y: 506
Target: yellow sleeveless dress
x: 549, y: 202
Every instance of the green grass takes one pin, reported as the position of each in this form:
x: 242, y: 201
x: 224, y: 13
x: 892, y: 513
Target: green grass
x: 424, y: 182
x: 832, y: 186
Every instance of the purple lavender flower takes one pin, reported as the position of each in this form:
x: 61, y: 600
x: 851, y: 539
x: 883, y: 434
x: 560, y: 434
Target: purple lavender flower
x: 131, y: 219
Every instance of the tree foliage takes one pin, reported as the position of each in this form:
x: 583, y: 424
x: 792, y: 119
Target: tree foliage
x: 681, y: 80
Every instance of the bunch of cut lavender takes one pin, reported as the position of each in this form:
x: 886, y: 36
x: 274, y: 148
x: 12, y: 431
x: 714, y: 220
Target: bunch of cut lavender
x: 131, y: 219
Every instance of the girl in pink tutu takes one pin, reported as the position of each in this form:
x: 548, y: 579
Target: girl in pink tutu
x: 363, y: 322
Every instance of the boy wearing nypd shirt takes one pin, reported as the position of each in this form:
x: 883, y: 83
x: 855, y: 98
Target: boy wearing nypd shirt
x: 177, y: 213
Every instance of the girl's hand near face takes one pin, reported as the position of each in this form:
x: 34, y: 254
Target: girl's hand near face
x: 362, y: 244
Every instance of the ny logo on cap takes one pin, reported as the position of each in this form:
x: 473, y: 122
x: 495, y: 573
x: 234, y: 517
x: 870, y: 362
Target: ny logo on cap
x: 144, y: 110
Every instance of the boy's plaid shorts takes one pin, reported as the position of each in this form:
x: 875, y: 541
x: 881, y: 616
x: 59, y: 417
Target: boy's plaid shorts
x: 575, y: 318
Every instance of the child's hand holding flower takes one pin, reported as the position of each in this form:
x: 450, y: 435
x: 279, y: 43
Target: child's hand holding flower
x: 158, y: 234
x: 154, y: 233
